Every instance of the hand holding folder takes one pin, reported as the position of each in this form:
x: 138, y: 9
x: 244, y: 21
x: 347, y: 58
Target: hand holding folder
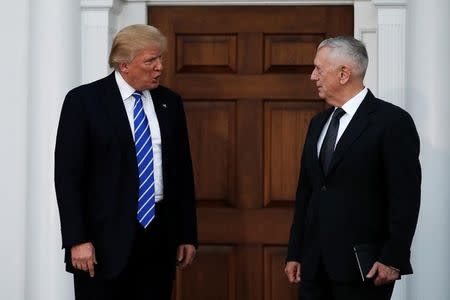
x: 366, y: 255
x: 370, y: 268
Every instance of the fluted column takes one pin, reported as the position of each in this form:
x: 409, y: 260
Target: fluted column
x: 392, y: 72
x: 391, y: 50
x: 54, y: 68
x: 428, y: 100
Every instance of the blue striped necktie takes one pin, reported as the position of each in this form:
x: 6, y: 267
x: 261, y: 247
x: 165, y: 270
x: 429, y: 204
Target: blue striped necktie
x: 144, y: 154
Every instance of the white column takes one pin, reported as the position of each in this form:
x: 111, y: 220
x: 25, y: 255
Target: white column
x: 392, y: 72
x: 54, y: 68
x: 14, y: 27
x: 391, y: 50
x: 428, y: 100
x: 98, y: 27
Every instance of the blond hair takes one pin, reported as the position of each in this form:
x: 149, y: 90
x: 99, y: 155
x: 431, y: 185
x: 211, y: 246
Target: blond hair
x: 131, y: 39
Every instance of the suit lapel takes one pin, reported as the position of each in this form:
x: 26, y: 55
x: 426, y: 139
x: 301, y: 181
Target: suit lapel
x: 161, y: 109
x: 112, y: 101
x: 161, y: 106
x: 355, y: 128
x: 316, y: 130
x: 322, y: 119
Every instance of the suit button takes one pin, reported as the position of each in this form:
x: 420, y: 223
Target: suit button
x: 324, y: 188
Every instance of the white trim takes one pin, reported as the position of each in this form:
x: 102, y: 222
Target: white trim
x: 360, y: 34
x: 103, y: 5
x: 390, y: 2
x: 369, y: 37
x: 97, y: 3
x: 241, y: 2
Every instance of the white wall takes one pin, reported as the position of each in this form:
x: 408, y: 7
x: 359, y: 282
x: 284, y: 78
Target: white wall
x: 14, y: 23
x: 428, y: 100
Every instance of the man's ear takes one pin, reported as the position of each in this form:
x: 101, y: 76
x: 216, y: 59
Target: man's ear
x: 344, y: 74
x: 123, y: 68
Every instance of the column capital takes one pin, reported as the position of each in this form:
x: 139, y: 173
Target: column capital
x: 98, y: 27
x: 243, y: 2
x: 99, y: 4
x: 385, y: 3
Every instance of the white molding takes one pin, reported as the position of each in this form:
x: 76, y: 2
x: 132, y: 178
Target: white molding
x: 366, y: 30
x: 400, y: 3
x: 241, y: 2
x: 97, y: 3
x: 102, y: 5
x: 391, y: 16
x: 362, y: 31
x: 369, y: 37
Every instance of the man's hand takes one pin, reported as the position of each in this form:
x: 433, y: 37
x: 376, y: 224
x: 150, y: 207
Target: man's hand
x: 83, y: 258
x: 385, y: 274
x: 185, y: 255
x: 292, y: 271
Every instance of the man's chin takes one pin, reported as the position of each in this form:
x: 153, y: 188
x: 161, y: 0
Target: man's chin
x: 154, y: 85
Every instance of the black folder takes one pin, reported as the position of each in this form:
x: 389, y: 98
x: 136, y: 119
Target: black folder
x: 366, y: 255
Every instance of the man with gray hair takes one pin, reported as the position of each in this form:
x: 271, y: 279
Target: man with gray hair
x: 358, y: 193
x: 123, y: 177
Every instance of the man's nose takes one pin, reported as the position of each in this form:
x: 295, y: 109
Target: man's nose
x: 314, y: 75
x: 159, y: 65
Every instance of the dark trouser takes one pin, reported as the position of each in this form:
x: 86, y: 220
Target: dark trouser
x: 147, y: 276
x: 323, y: 288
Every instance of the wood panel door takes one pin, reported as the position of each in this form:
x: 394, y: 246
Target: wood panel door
x: 244, y: 75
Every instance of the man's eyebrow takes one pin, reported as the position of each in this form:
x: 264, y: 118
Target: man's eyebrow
x: 152, y: 57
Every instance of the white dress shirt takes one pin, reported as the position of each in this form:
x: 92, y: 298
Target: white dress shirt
x: 350, y: 108
x: 126, y: 91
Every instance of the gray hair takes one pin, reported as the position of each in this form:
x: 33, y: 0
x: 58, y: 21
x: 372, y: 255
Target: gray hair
x: 350, y: 48
x: 131, y: 40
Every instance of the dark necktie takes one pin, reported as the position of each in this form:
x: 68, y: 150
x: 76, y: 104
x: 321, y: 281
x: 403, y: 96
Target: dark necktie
x: 327, y: 149
x: 144, y: 155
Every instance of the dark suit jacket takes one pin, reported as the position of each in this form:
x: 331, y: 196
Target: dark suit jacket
x: 370, y: 195
x: 96, y: 174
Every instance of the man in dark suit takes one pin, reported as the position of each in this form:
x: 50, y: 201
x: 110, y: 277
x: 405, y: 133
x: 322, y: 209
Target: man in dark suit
x: 359, y: 185
x: 123, y: 177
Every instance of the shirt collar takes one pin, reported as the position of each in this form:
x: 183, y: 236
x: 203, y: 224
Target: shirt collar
x: 352, y: 105
x: 126, y: 90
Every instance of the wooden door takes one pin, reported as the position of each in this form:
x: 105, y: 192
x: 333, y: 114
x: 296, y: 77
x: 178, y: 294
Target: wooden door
x: 244, y: 75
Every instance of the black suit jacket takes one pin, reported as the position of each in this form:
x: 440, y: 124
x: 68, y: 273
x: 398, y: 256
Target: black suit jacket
x: 96, y: 174
x: 370, y: 195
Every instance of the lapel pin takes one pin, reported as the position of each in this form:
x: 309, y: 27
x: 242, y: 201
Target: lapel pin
x: 164, y: 105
